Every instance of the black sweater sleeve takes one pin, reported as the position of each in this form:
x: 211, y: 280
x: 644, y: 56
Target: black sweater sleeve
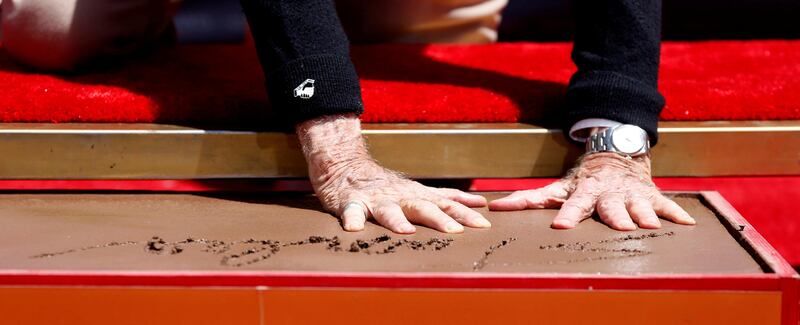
x: 617, y: 48
x: 298, y: 40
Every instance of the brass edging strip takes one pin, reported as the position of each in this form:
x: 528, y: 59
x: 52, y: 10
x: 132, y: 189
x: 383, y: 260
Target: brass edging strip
x: 148, y: 151
x: 729, y: 129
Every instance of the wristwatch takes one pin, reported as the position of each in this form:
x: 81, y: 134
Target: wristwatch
x: 625, y: 139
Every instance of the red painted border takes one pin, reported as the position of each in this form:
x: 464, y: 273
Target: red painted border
x: 790, y: 281
x: 161, y: 185
x: 790, y: 301
x: 752, y: 238
x: 744, y: 282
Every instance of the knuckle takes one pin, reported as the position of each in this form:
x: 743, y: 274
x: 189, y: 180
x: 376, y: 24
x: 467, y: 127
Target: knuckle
x: 637, y: 201
x: 607, y: 204
x: 470, y: 214
x: 447, y: 192
x: 396, y: 222
x: 638, y: 207
x: 424, y: 207
x: 581, y: 196
x: 408, y: 203
x: 451, y: 191
x: 532, y: 201
x: 556, y: 191
x: 670, y: 204
x: 535, y: 192
x: 578, y: 205
x: 448, y: 207
x: 429, y: 203
x: 381, y: 210
x: 589, y: 181
x: 574, y: 203
x: 570, y: 204
x: 648, y: 195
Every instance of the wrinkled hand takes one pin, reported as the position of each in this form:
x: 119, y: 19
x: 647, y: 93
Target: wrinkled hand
x: 620, y: 189
x: 362, y: 189
x: 354, y: 187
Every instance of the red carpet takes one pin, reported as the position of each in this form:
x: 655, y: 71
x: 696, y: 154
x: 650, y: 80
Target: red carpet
x: 222, y: 84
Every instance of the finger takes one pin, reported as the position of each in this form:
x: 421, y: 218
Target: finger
x: 641, y: 211
x: 463, y: 214
x: 611, y: 208
x: 670, y: 210
x: 531, y: 199
x: 512, y: 202
x: 468, y: 199
x: 428, y: 214
x: 579, y: 207
x: 391, y: 216
x: 354, y: 216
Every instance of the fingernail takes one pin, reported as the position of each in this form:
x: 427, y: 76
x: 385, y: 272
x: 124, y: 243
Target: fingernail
x: 453, y: 226
x: 351, y: 227
x: 627, y: 225
x: 483, y: 223
x: 407, y: 228
x: 563, y: 224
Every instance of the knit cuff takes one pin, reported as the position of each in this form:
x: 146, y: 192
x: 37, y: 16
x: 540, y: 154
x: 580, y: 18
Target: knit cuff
x: 314, y: 86
x: 612, y: 96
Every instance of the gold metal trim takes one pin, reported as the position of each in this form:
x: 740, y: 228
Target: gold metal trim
x: 462, y: 150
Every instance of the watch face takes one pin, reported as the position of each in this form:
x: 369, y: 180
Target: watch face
x: 628, y: 139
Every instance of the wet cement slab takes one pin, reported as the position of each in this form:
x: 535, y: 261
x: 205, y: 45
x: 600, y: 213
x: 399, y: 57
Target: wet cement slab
x: 169, y: 232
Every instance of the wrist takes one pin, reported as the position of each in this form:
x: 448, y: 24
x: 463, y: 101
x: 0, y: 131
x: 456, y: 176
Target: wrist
x: 598, y: 160
x: 332, y: 144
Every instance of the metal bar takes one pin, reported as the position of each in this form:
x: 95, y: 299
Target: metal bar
x: 461, y: 150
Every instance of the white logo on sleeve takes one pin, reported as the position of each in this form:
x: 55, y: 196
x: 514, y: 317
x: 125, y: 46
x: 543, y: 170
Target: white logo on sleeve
x: 305, y: 90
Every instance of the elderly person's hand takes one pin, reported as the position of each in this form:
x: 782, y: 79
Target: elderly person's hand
x: 350, y: 184
x: 619, y: 188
